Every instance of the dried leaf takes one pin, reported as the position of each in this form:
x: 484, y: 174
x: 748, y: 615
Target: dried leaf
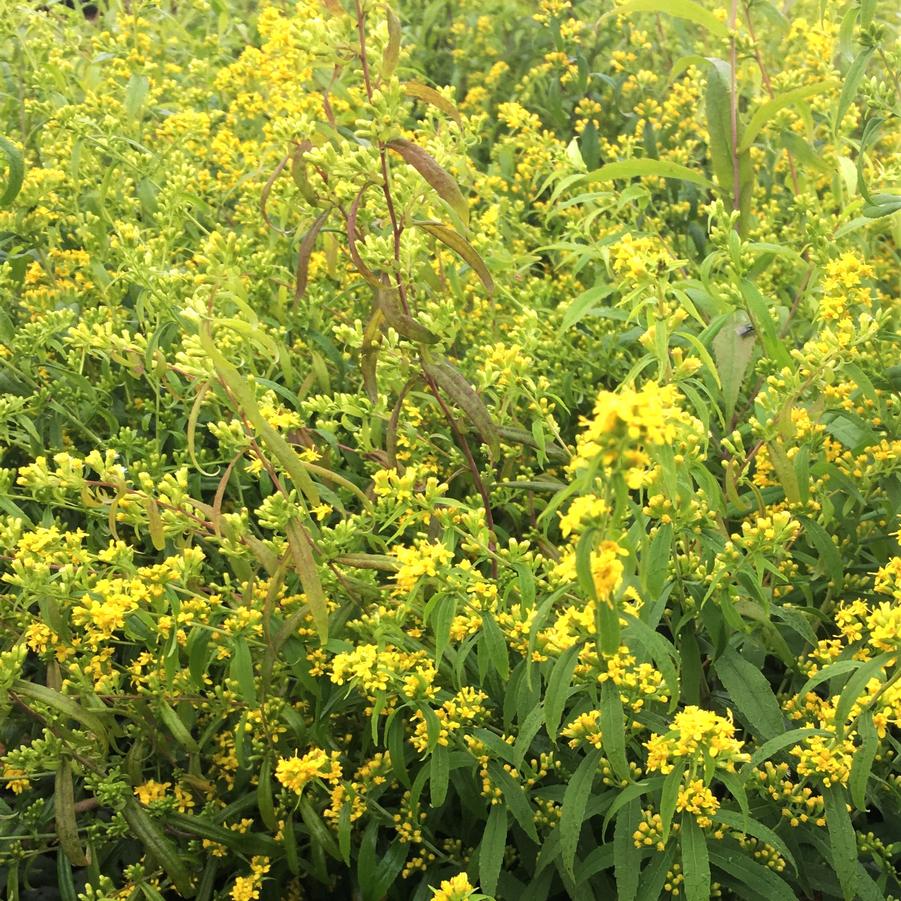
x: 304, y: 253
x: 457, y: 387
x: 388, y: 302
x: 440, y: 179
x: 392, y: 48
x: 456, y: 242
x: 429, y: 95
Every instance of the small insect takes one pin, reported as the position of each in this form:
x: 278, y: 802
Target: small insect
x: 744, y: 330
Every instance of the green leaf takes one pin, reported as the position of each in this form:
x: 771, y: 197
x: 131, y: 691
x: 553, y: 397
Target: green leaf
x: 584, y: 303
x: 695, y: 861
x: 728, y: 161
x: 158, y: 847
x: 751, y: 693
x: 775, y: 745
x: 626, y: 857
x: 516, y: 799
x: 246, y: 399
x: 572, y: 813
x: 65, y: 882
x: 853, y: 78
x: 653, y: 877
x: 767, y: 110
x: 439, y: 774
x: 299, y: 544
x: 178, y: 729
x: 655, y: 564
x: 320, y: 834
x: 855, y: 687
x: 842, y: 839
x: 765, y: 323
x: 136, y: 92
x: 15, y: 174
x: 668, y: 796
x: 558, y: 689
x: 629, y: 793
x: 265, y: 802
x: 760, y: 879
x: 639, y: 168
x: 825, y: 546
x: 241, y: 670
x: 613, y: 729
x: 492, y: 847
x: 496, y: 645
x: 63, y: 705
x: 750, y: 826
x: 241, y: 842
x: 680, y: 9
x: 733, y: 348
x: 64, y: 812
x: 863, y: 760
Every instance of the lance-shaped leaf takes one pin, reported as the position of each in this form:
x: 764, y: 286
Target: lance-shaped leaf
x: 767, y: 110
x: 299, y: 172
x: 388, y: 302
x: 15, y: 165
x: 369, y: 353
x: 727, y: 159
x: 392, y: 48
x: 680, y: 9
x: 64, y: 706
x: 456, y: 242
x: 362, y: 268
x: 302, y: 556
x: 304, y: 253
x: 458, y: 389
x: 64, y: 810
x: 440, y: 179
x: 267, y: 190
x: 649, y: 167
x: 155, y: 524
x: 244, y: 395
x: 429, y: 95
x: 158, y: 846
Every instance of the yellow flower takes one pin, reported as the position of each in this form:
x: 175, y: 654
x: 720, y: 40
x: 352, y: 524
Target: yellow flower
x: 458, y: 888
x: 607, y: 569
x: 698, y: 799
x: 697, y: 734
x: 16, y: 780
x: 295, y: 772
x: 247, y: 888
x: 151, y: 791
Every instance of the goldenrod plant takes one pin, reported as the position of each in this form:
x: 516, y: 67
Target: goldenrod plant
x: 449, y: 450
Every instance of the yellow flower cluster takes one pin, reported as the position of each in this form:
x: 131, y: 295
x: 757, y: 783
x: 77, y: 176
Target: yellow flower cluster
x: 295, y: 772
x: 696, y: 735
x: 626, y: 424
x: 457, y: 888
x: 466, y: 707
x: 696, y: 798
x: 422, y: 560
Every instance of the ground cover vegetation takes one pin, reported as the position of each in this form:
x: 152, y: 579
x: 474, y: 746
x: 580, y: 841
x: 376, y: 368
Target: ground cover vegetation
x: 449, y: 450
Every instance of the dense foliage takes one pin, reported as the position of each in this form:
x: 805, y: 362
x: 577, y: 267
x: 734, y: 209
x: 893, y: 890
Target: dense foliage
x: 449, y: 450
